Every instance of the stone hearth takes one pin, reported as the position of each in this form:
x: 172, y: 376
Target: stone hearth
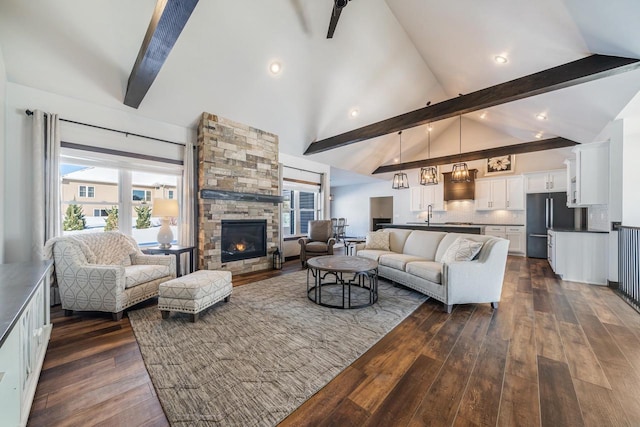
x: 237, y: 171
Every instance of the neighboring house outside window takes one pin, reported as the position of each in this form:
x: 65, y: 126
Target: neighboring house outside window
x: 141, y: 195
x: 86, y: 191
x: 99, y: 212
x: 170, y: 194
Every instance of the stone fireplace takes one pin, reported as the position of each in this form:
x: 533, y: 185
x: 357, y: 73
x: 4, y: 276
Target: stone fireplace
x: 238, y: 179
x: 243, y: 239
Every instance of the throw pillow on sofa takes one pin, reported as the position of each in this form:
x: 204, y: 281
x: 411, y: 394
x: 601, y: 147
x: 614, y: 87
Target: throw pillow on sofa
x: 377, y: 240
x: 461, y: 249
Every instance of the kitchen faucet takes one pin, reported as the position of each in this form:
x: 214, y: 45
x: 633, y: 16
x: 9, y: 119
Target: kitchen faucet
x: 429, y: 214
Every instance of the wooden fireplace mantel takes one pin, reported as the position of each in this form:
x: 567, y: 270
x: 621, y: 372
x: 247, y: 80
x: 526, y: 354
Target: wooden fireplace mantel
x: 234, y: 195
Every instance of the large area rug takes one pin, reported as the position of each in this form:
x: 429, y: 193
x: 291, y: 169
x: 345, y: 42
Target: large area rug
x: 254, y: 360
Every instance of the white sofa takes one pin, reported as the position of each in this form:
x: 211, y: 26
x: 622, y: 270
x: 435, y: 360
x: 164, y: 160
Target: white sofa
x: 106, y: 271
x: 414, y: 260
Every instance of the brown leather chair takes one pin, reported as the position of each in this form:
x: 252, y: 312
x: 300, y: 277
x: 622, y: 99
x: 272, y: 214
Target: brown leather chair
x: 319, y: 242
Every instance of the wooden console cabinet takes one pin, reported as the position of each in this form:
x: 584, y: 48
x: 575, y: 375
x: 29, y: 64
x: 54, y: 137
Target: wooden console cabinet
x: 24, y: 334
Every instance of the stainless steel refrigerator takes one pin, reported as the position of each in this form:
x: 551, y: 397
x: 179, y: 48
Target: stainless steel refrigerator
x: 544, y: 211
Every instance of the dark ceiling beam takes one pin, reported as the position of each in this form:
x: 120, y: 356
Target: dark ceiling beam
x: 167, y: 22
x: 525, y: 147
x: 581, y: 71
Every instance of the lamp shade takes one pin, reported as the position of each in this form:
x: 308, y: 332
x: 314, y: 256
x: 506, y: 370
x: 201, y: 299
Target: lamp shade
x: 400, y: 181
x: 165, y: 207
x: 460, y: 173
x: 428, y: 176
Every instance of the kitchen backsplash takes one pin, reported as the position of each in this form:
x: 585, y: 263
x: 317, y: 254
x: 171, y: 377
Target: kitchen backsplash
x: 598, y: 218
x: 464, y: 211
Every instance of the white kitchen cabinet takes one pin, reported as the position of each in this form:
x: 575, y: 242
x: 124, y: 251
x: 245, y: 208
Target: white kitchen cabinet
x: 572, y: 191
x: 579, y: 256
x: 490, y: 194
x: 25, y: 342
x: 514, y: 233
x: 495, y: 230
x: 424, y: 195
x: 415, y: 199
x: 591, y: 174
x: 516, y: 237
x: 501, y: 193
x: 548, y: 181
x: 515, y: 193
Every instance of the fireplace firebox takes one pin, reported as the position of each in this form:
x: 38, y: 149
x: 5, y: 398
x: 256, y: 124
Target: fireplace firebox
x: 243, y: 239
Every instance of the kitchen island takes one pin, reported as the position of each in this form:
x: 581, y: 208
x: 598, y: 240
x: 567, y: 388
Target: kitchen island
x: 447, y: 228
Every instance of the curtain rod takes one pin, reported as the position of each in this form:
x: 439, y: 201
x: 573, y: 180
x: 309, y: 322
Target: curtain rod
x: 30, y: 113
x: 302, y: 170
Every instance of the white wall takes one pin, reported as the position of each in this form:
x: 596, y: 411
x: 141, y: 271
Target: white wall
x: 631, y: 173
x: 614, y: 133
x: 3, y: 129
x: 629, y: 164
x: 352, y: 202
x: 18, y: 184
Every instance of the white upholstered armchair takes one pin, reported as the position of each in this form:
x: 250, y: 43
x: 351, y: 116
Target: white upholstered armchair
x: 106, y: 271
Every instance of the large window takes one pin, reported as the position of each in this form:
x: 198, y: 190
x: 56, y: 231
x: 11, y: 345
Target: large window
x: 105, y: 210
x: 298, y: 209
x: 307, y: 211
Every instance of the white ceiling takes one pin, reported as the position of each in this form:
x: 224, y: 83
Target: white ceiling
x: 386, y: 58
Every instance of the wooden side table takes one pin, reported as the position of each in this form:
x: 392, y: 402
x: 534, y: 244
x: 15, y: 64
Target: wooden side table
x: 176, y: 250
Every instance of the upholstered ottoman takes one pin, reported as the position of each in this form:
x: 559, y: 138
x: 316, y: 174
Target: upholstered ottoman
x: 194, y: 292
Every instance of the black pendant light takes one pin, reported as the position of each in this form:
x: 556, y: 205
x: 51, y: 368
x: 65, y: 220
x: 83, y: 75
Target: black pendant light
x: 400, y: 179
x: 429, y: 174
x: 460, y: 171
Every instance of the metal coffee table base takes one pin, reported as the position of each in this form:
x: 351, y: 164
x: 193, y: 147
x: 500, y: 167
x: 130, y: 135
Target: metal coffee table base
x: 361, y: 290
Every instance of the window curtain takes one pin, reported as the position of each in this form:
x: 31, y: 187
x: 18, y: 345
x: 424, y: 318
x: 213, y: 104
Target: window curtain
x: 46, y: 185
x: 187, y: 202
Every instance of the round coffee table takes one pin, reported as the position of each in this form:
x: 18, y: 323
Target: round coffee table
x: 340, y: 281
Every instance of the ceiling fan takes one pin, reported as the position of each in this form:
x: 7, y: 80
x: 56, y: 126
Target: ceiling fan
x: 338, y: 5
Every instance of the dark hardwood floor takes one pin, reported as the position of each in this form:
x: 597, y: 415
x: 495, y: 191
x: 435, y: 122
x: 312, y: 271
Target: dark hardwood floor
x: 555, y: 353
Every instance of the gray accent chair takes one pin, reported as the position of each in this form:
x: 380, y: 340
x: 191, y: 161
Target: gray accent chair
x: 106, y: 272
x: 320, y: 241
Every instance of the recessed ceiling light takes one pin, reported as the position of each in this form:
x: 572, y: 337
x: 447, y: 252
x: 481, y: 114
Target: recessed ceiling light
x: 483, y: 115
x: 354, y: 112
x: 396, y: 160
x: 541, y: 116
x: 539, y: 135
x: 500, y: 59
x: 429, y: 128
x: 275, y: 68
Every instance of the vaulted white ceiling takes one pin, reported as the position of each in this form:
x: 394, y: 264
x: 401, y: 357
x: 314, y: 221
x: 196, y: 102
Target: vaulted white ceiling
x: 386, y: 58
